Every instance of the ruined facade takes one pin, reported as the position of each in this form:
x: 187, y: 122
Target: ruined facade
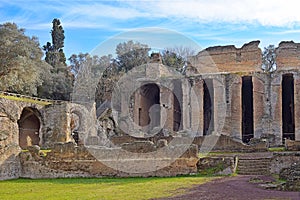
x: 223, y: 92
x: 226, y: 92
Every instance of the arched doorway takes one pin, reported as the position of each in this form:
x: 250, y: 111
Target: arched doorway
x: 149, y: 111
x: 75, y: 125
x: 29, y: 126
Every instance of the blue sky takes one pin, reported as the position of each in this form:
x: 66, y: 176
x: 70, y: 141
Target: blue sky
x: 88, y: 24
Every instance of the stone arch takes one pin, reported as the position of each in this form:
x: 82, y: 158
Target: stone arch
x: 75, y: 125
x: 29, y: 127
x: 78, y: 123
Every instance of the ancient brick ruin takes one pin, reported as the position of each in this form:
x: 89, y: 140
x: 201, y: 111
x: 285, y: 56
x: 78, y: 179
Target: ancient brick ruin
x: 223, y: 92
x: 231, y: 95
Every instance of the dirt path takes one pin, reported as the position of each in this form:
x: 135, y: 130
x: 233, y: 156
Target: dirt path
x: 234, y: 188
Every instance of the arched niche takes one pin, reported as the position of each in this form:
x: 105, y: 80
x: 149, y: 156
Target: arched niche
x: 29, y: 127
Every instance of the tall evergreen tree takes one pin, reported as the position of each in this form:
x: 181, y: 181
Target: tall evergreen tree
x: 60, y: 84
x: 55, y: 55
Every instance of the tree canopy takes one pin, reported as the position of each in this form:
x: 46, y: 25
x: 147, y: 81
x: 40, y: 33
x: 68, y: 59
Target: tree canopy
x: 177, y: 57
x: 131, y: 54
x: 269, y: 59
x: 21, y: 67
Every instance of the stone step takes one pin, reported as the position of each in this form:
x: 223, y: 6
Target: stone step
x: 253, y: 166
x: 254, y: 173
x: 254, y: 160
x: 254, y: 163
x: 252, y: 169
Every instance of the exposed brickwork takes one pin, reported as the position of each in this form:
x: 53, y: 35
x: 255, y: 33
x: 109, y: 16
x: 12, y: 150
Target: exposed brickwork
x: 288, y: 55
x: 229, y: 59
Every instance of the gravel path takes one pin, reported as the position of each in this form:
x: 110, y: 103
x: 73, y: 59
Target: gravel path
x: 234, y: 188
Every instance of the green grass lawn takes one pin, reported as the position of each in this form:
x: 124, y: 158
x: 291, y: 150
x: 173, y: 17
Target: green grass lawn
x: 98, y: 188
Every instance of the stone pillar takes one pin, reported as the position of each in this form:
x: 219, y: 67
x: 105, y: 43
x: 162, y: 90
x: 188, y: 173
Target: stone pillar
x: 124, y: 112
x: 56, y: 125
x: 259, y: 105
x: 297, y: 106
x: 197, y: 107
x: 219, y: 108
x: 167, y: 109
x: 136, y: 107
x: 236, y: 107
x: 276, y: 106
x: 186, y: 104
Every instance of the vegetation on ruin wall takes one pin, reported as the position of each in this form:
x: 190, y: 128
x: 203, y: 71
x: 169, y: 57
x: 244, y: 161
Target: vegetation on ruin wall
x: 24, y: 99
x: 98, y: 188
x: 277, y: 149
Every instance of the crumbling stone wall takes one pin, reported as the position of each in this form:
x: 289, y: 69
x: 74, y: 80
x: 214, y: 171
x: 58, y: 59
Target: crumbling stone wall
x: 288, y: 55
x: 292, y: 176
x: 220, y: 59
x: 282, y: 160
x: 58, y: 121
x: 10, y: 112
x: 227, y: 65
x: 69, y: 160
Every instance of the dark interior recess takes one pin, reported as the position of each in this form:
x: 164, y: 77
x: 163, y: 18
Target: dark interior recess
x: 149, y: 112
x: 208, y: 107
x: 288, y: 111
x: 29, y: 125
x: 177, y: 94
x: 247, y: 109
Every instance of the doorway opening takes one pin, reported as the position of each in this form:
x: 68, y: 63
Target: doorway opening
x: 29, y: 127
x: 208, y: 107
x: 177, y: 96
x: 149, y: 111
x: 247, y: 109
x: 288, y: 111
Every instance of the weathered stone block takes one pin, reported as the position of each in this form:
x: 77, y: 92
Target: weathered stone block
x: 291, y: 145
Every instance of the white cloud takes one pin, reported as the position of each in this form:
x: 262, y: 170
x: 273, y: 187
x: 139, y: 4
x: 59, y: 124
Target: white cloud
x: 295, y: 31
x: 264, y: 12
x: 98, y: 10
x: 89, y: 14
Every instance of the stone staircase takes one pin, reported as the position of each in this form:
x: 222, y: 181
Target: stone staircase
x: 254, y: 165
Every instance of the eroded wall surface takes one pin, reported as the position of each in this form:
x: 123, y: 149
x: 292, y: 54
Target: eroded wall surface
x: 10, y: 113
